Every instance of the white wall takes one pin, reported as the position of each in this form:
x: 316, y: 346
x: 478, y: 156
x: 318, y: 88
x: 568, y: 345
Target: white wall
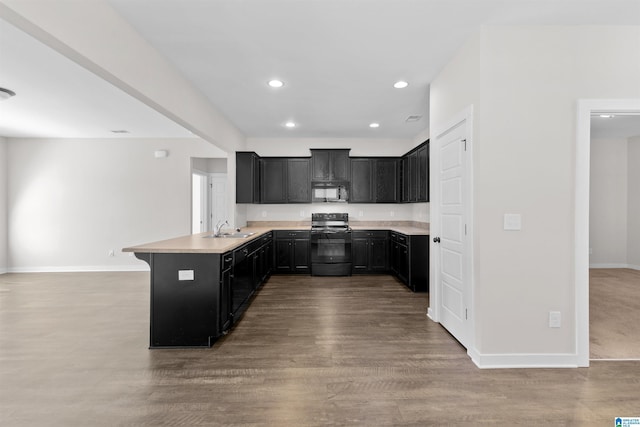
x: 359, y: 147
x: 633, y: 225
x: 524, y: 83
x: 71, y: 201
x: 608, y: 203
x: 3, y: 205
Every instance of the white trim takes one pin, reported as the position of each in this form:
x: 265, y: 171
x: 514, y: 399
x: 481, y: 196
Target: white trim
x: 79, y: 269
x: 465, y: 117
x: 614, y: 266
x: 510, y: 361
x: 586, y: 107
x: 3, y: 271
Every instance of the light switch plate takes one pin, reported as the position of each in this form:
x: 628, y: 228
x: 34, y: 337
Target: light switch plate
x: 513, y: 222
x: 185, y: 275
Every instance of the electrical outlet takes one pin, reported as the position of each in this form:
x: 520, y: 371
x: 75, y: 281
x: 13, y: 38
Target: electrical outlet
x: 112, y: 252
x: 264, y: 214
x: 360, y: 213
x: 590, y: 251
x: 302, y: 214
x: 392, y: 213
x: 555, y: 319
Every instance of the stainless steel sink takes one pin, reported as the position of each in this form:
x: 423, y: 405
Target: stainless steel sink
x: 229, y: 235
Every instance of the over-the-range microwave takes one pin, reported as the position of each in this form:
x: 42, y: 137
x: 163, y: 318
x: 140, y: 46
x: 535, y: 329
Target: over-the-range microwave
x: 329, y: 191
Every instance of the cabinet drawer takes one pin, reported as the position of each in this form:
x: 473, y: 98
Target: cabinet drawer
x: 363, y: 234
x: 295, y: 234
x: 400, y: 238
x: 227, y: 260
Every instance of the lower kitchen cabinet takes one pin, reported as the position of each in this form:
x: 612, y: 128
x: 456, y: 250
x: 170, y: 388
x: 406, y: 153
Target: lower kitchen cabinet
x: 370, y: 251
x: 409, y: 260
x: 185, y: 296
x: 292, y: 251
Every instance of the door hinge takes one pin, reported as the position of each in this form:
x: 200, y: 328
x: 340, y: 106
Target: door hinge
x: 466, y: 314
x: 465, y: 144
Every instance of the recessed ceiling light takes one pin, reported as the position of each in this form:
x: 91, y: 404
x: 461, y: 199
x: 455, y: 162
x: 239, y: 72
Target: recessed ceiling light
x: 607, y: 116
x: 400, y: 84
x: 276, y: 83
x: 374, y: 125
x: 120, y: 131
x: 290, y: 124
x: 413, y: 119
x: 6, y: 93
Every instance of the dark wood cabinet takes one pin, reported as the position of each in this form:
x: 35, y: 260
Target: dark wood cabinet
x: 410, y: 260
x: 226, y: 276
x: 386, y: 174
x: 415, y: 174
x: 292, y: 251
x: 423, y: 173
x: 247, y: 177
x: 370, y: 251
x: 188, y: 317
x: 374, y: 180
x: 330, y: 165
x: 273, y: 177
x: 361, y: 181
x: 285, y: 180
x: 298, y: 184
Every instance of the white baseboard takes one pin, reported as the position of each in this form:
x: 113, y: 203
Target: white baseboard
x: 3, y: 270
x: 630, y: 266
x: 78, y: 269
x: 508, y: 361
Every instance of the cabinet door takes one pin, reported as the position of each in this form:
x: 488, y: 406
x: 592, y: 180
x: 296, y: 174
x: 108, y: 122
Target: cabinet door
x: 405, y: 179
x: 273, y: 174
x: 423, y: 173
x: 413, y: 177
x: 301, y: 255
x: 386, y: 180
x: 247, y: 177
x: 339, y: 165
x: 360, y: 254
x: 361, y: 181
x: 225, y: 300
x: 283, y: 251
x: 320, y: 165
x: 298, y: 183
x: 378, y: 255
x: 403, y: 263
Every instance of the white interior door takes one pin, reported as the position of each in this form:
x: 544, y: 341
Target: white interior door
x: 450, y: 234
x: 218, y: 197
x: 198, y: 203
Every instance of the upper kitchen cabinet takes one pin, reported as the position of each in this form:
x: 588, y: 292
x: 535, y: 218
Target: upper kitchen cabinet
x: 330, y: 165
x: 415, y: 174
x: 423, y: 172
x: 247, y: 177
x: 285, y: 180
x: 374, y: 180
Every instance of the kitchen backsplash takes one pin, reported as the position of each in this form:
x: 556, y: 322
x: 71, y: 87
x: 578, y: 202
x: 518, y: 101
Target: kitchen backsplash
x: 417, y: 212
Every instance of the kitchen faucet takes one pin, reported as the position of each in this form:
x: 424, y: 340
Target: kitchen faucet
x: 218, y: 227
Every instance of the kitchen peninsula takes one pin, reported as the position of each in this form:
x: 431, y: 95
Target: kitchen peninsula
x: 201, y: 285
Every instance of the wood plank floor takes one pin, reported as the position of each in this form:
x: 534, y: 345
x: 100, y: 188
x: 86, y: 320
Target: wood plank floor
x: 614, y: 314
x: 308, y: 352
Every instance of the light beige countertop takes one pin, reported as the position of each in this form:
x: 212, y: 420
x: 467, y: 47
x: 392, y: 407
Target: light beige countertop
x: 197, y: 243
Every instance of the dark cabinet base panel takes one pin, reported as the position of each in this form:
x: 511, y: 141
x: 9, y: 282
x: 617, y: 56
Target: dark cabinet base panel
x: 339, y: 269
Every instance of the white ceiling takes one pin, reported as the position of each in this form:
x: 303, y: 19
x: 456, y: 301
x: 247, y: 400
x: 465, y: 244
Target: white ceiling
x: 338, y: 59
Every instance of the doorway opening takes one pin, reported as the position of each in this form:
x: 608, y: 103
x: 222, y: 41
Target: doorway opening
x: 614, y: 237
x: 208, y: 193
x: 587, y: 109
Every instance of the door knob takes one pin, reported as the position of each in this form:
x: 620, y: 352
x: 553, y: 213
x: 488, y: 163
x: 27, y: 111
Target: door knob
x: 436, y: 240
